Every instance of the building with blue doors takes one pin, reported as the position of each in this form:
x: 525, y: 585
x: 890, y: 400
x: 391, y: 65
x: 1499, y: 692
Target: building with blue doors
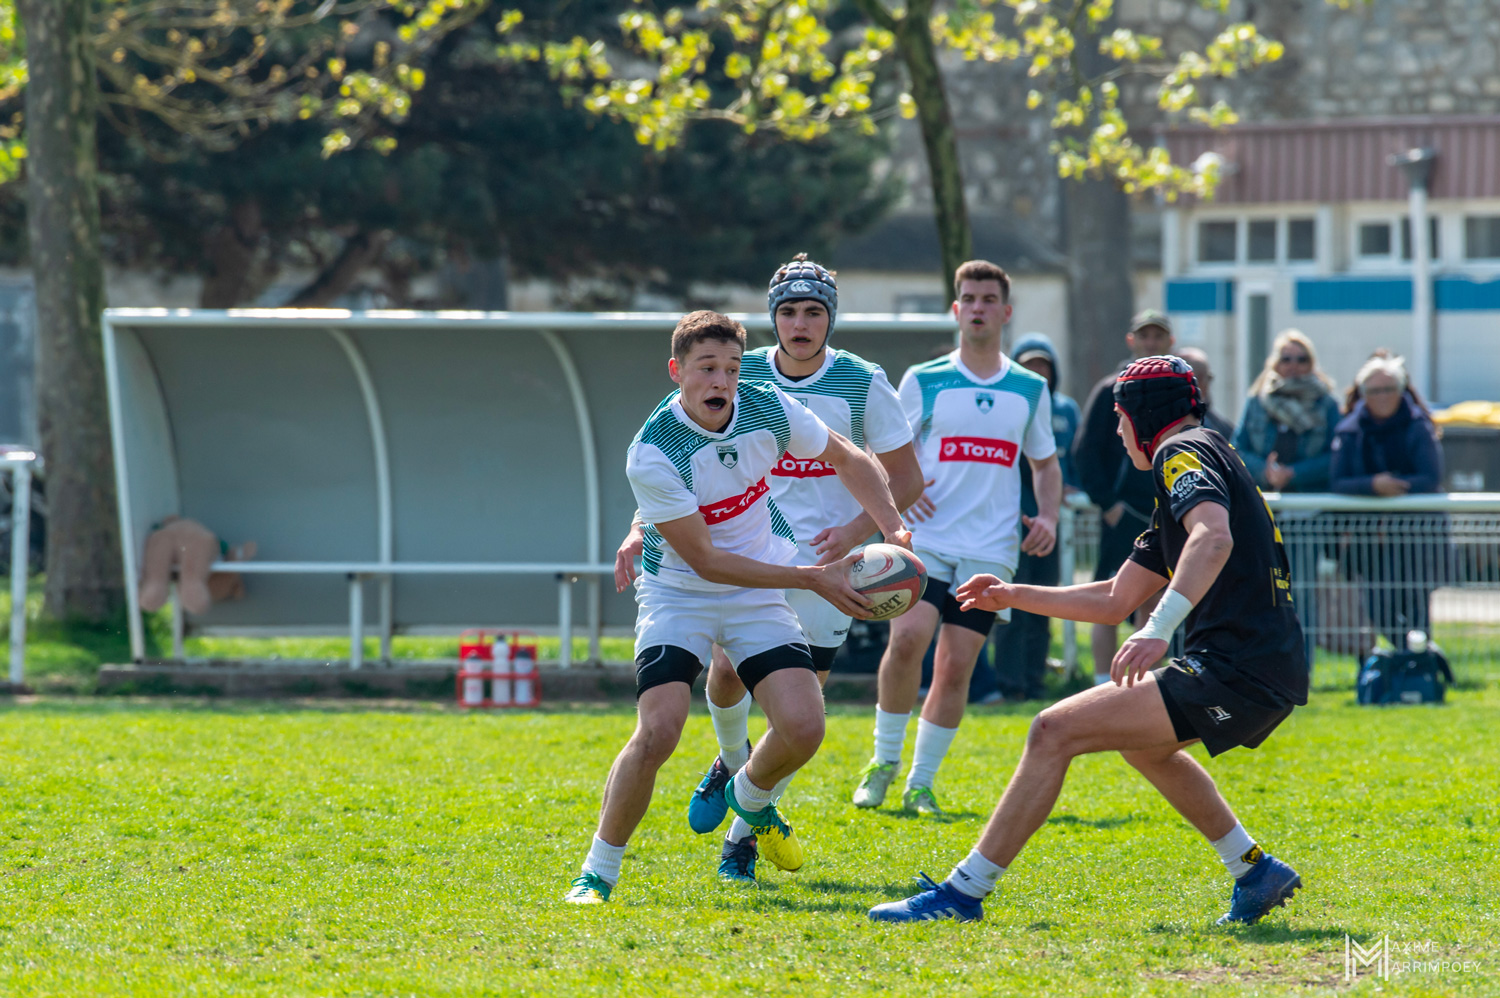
x: 1312, y: 228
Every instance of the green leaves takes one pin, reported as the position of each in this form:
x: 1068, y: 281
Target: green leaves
x: 790, y: 72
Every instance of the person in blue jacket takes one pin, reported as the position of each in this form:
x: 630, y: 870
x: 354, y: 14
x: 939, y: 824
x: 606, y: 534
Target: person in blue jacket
x: 1285, y: 435
x: 1285, y: 438
x: 1021, y: 646
x: 1388, y: 446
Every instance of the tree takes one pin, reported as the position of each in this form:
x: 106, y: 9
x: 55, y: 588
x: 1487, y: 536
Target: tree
x: 225, y: 79
x: 63, y: 217
x: 490, y: 165
x: 803, y: 67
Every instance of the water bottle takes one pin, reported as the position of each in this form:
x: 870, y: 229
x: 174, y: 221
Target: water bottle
x: 524, y: 667
x: 1416, y: 641
x: 471, y: 668
x: 500, y: 684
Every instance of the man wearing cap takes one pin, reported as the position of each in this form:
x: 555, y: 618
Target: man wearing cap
x: 1122, y: 492
x: 1214, y: 546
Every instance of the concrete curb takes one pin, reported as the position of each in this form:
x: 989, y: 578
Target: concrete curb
x: 421, y: 681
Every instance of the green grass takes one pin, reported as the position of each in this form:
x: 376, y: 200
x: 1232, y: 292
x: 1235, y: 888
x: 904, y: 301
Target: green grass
x: 176, y: 848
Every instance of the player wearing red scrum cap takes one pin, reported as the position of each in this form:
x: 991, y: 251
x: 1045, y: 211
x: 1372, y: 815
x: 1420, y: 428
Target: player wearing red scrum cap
x: 1215, y: 547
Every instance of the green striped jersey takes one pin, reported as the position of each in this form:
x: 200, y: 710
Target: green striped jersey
x: 677, y: 468
x: 971, y: 432
x: 854, y: 398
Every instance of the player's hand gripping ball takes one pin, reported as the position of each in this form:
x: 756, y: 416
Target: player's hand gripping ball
x: 892, y: 577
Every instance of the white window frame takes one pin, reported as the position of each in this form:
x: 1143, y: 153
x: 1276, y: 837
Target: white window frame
x: 1462, y: 255
x: 1282, y: 216
x: 1389, y: 260
x: 1195, y: 233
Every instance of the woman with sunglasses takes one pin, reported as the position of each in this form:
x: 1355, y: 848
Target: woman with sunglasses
x: 1285, y: 438
x: 1286, y: 431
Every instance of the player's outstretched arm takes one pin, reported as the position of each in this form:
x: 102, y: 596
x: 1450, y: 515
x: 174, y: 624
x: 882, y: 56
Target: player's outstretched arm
x: 1106, y: 602
x: 1203, y: 557
x: 866, y: 483
x: 690, y: 538
x: 904, y: 477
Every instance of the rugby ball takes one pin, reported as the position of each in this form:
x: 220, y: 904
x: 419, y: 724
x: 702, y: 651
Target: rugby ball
x: 891, y: 576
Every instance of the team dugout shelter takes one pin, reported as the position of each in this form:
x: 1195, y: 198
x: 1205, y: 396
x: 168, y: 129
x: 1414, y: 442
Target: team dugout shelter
x: 405, y: 472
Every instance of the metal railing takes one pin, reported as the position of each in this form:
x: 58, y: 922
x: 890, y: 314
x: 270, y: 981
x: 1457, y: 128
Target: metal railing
x: 1365, y: 571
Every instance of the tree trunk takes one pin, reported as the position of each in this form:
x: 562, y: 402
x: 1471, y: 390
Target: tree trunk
x: 239, y: 267
x: 914, y: 41
x: 1101, y: 292
x: 1096, y: 237
x: 84, y: 580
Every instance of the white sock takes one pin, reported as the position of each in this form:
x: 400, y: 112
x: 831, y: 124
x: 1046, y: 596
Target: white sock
x: 932, y: 744
x: 751, y: 797
x: 740, y: 828
x: 604, y: 861
x: 975, y: 876
x: 890, y: 734
x: 1238, y: 851
x: 732, y: 729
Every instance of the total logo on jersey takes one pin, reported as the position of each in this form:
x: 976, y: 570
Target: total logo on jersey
x: 984, y: 450
x: 801, y: 467
x: 728, y: 509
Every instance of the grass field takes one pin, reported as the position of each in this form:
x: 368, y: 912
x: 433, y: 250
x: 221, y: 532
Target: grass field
x: 180, y: 848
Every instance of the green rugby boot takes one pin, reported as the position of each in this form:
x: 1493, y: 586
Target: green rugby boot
x: 922, y: 801
x: 588, y: 889
x: 874, y: 781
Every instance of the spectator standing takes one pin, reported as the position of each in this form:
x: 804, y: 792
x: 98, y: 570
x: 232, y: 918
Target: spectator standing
x: 1388, y: 446
x: 1204, y: 372
x: 1021, y: 646
x: 1285, y: 438
x: 1124, y: 495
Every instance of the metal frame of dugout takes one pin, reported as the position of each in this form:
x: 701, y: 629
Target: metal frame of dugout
x: 452, y: 460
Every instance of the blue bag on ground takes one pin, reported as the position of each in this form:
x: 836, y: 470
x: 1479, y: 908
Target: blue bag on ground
x: 1396, y: 676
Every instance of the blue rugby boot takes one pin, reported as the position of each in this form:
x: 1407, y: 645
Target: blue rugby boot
x: 938, y: 901
x: 706, y: 808
x: 1269, y: 884
x: 737, y: 861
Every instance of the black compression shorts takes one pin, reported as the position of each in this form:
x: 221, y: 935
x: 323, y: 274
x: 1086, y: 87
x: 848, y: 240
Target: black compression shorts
x: 947, y: 604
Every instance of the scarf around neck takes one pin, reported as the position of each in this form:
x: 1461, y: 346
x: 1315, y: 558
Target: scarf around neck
x: 1295, y: 402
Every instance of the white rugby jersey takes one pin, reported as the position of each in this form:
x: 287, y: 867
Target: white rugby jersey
x: 852, y: 397
x: 677, y: 468
x: 971, y: 432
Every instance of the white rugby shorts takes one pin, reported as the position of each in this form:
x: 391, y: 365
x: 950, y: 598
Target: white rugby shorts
x: 955, y: 570
x: 744, y: 622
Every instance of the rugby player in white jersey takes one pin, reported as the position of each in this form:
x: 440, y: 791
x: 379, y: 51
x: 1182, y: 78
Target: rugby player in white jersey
x: 715, y: 566
x: 975, y: 414
x: 854, y: 398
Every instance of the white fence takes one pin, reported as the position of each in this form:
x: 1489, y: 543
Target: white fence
x: 1367, y: 571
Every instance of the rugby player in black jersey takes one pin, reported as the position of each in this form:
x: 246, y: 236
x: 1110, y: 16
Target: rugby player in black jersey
x: 1215, y: 547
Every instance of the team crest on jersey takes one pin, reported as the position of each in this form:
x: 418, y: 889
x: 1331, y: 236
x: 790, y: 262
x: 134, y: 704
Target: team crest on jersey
x: 728, y: 456
x: 1181, y: 473
x: 984, y: 400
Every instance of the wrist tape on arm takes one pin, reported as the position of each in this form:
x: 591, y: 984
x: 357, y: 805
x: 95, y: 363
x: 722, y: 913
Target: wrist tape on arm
x: 1167, y: 617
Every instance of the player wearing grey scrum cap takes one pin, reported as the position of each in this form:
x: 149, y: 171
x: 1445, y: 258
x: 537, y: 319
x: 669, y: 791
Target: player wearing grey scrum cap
x: 854, y: 398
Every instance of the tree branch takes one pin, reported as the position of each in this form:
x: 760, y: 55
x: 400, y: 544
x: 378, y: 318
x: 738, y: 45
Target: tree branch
x: 360, y: 250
